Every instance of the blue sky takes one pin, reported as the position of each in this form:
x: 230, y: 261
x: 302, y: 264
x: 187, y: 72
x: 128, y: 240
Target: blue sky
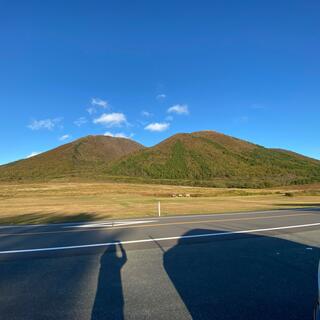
x: 149, y: 69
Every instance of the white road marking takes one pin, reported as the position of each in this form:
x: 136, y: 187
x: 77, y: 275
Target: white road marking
x: 110, y: 224
x: 108, y: 244
x: 184, y: 216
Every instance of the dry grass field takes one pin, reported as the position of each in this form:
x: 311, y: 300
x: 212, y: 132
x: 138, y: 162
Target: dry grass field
x: 58, y: 202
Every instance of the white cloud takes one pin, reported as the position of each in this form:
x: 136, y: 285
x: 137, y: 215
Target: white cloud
x: 157, y: 126
x: 179, y: 109
x: 64, y: 137
x: 47, y: 124
x: 146, y: 114
x: 80, y: 121
x: 32, y: 154
x: 99, y: 102
x: 111, y: 119
x: 161, y: 96
x: 118, y: 135
x: 91, y: 110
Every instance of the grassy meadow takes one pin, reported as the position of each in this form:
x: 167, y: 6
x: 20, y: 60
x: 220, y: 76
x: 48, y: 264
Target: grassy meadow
x: 61, y: 202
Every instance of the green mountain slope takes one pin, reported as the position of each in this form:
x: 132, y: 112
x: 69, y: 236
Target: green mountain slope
x: 211, y: 158
x: 85, y: 157
x: 203, y: 158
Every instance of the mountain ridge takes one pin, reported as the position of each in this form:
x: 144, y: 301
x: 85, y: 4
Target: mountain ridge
x: 205, y: 158
x: 72, y: 158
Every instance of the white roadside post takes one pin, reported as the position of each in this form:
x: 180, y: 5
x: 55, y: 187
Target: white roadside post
x: 159, y: 209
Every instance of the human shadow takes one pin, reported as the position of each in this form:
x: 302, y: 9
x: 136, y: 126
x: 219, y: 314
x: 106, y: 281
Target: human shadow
x: 109, y: 301
x: 244, y: 276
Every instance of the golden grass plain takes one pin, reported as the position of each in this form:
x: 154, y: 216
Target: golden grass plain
x: 83, y: 201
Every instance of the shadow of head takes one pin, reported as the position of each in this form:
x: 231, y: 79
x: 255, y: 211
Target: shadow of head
x: 244, y: 276
x: 301, y: 206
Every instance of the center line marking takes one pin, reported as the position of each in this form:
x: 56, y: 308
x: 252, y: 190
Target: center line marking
x: 205, y: 235
x: 155, y: 225
x: 110, y: 224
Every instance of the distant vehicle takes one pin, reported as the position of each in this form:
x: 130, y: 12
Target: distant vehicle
x: 317, y: 309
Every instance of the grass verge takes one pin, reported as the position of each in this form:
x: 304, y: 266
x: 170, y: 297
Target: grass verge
x: 70, y: 202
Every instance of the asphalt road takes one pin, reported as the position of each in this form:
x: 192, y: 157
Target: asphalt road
x: 260, y: 265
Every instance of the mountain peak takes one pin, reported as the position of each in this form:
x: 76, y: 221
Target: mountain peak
x: 77, y: 158
x: 206, y: 158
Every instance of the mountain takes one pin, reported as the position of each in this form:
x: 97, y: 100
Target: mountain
x: 214, y: 159
x: 205, y: 158
x: 84, y: 157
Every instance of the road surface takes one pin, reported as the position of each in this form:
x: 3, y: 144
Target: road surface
x: 259, y: 265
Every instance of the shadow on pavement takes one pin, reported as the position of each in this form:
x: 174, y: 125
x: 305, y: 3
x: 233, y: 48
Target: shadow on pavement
x: 47, y: 217
x: 244, y: 277
x: 302, y: 204
x: 109, y: 302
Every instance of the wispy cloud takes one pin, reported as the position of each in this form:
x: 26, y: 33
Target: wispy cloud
x: 169, y: 118
x: 179, y: 109
x: 257, y: 106
x: 91, y: 110
x: 161, y: 96
x: 111, y: 119
x: 157, y: 126
x: 64, y: 137
x: 146, y: 114
x: 118, y: 135
x: 48, y: 124
x: 241, y: 120
x: 99, y: 102
x: 32, y: 154
x: 80, y: 121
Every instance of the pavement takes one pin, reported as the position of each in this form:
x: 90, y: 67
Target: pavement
x: 257, y: 265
